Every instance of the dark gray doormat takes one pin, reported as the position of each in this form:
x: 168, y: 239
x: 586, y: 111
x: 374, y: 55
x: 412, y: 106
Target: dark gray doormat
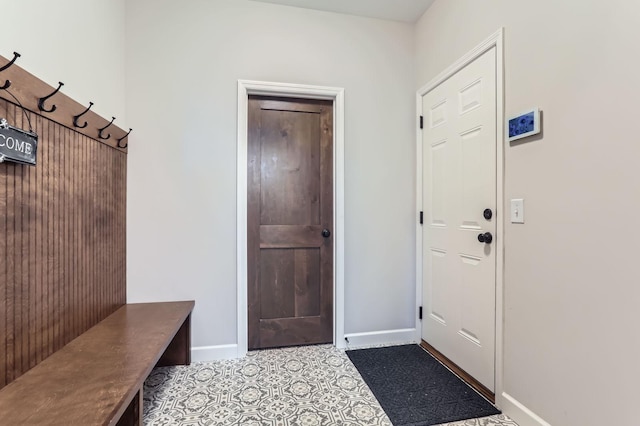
x: 415, y: 389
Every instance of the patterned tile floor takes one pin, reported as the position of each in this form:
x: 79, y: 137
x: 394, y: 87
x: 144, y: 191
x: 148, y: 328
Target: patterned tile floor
x: 305, y: 386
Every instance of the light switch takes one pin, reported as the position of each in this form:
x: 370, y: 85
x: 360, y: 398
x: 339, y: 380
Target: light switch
x: 517, y: 210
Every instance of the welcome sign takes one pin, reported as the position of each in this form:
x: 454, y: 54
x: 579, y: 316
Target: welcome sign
x: 17, y: 145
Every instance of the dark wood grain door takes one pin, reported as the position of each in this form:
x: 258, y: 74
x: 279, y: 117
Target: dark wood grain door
x: 290, y: 222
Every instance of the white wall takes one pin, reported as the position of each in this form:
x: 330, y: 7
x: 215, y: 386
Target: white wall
x: 78, y: 42
x: 572, y: 286
x: 183, y: 64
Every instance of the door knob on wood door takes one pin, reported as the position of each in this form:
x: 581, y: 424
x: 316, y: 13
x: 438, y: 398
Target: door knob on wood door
x: 485, y: 238
x: 326, y: 233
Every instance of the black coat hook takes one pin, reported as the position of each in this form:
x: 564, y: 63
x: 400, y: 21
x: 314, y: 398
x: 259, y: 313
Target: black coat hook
x: 16, y: 55
x: 7, y: 83
x: 41, y: 101
x: 105, y: 128
x: 126, y: 144
x: 76, y: 117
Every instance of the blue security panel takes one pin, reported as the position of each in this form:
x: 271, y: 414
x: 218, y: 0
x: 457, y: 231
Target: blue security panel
x: 524, y: 124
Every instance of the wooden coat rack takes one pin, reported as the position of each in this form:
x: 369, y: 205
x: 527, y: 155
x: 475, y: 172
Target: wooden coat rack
x: 38, y: 97
x: 62, y: 221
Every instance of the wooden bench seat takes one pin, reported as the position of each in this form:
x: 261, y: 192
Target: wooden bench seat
x: 97, y: 378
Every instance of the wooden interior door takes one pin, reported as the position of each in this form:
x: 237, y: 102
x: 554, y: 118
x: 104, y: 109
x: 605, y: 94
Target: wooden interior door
x: 290, y: 222
x: 459, y: 234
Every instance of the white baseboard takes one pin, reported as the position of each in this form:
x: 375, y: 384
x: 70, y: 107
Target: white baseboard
x: 356, y: 340
x: 518, y: 412
x: 213, y: 353
x: 378, y: 338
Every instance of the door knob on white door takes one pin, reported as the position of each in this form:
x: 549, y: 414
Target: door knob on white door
x: 485, y: 238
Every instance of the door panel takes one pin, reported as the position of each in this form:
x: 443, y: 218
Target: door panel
x: 290, y: 161
x: 290, y: 203
x: 459, y: 183
x: 277, y: 280
x: 439, y: 183
x: 307, y: 279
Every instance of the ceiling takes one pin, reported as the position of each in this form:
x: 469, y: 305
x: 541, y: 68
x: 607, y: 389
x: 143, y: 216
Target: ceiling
x: 395, y: 10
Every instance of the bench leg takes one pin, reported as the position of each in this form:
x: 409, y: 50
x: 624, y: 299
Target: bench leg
x: 179, y: 350
x: 132, y: 416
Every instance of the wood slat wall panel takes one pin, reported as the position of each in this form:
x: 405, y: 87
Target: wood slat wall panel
x: 5, y: 312
x: 62, y: 253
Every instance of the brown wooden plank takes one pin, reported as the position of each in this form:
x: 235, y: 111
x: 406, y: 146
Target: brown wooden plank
x: 39, y: 243
x: 21, y: 290
x: 96, y: 195
x: 307, y: 282
x: 10, y: 271
x: 3, y: 271
x: 51, y: 240
x: 46, y: 152
x: 326, y: 202
x: 63, y: 221
x: 132, y: 415
x: 103, y: 234
x: 91, y: 230
x: 253, y: 224
x: 84, y: 384
x: 110, y: 242
x: 107, y: 195
x: 290, y: 332
x: 69, y: 205
x: 120, y: 256
x: 4, y: 254
x: 73, y: 211
x: 113, y: 271
x: 72, y: 219
x: 31, y: 281
x: 179, y: 350
x: 12, y: 305
x: 57, y: 267
x: 88, y: 255
x: 47, y: 262
x: 123, y: 225
x: 93, y: 288
x: 18, y: 290
x: 290, y: 236
x: 84, y: 266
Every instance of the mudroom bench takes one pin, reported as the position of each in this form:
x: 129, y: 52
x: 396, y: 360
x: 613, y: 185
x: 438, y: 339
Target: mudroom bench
x: 97, y: 378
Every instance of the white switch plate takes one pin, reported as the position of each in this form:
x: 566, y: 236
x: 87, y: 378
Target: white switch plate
x: 517, y: 210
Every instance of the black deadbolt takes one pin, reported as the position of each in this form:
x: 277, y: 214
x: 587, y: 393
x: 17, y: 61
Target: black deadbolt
x: 488, y: 214
x: 326, y: 233
x: 485, y: 238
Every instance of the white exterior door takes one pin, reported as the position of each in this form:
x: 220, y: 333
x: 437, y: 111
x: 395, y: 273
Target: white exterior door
x: 459, y: 184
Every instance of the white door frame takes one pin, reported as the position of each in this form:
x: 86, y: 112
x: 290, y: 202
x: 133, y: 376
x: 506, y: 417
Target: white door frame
x: 495, y: 40
x: 246, y: 88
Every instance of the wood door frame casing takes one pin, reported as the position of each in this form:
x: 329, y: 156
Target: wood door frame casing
x: 336, y: 94
x: 495, y: 40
